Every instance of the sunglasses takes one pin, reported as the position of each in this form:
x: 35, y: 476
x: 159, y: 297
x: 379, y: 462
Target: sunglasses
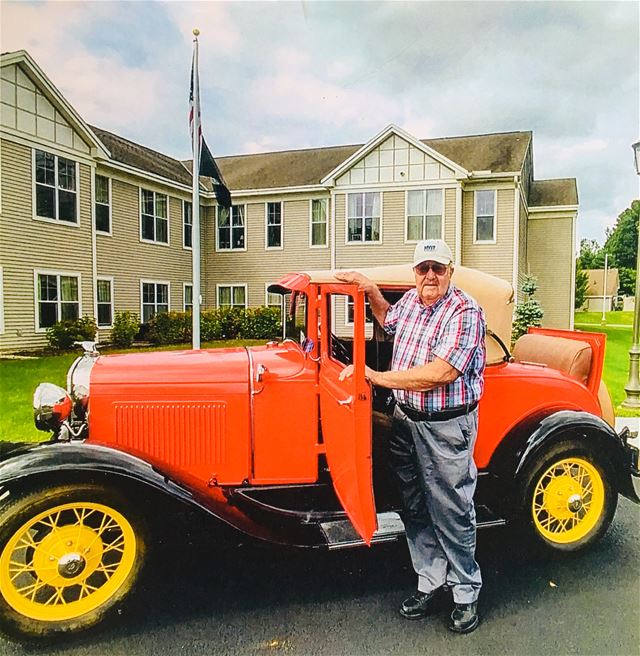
x: 424, y: 267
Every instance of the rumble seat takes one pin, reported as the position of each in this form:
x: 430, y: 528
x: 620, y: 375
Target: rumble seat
x: 570, y: 356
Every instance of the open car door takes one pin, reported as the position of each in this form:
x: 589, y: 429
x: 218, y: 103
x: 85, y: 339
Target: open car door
x: 345, y: 412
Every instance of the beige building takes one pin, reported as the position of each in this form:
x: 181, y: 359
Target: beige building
x: 602, y: 289
x: 91, y: 223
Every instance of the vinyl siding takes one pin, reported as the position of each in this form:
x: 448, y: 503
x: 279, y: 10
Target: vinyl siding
x: 27, y: 244
x: 497, y: 258
x: 450, y: 218
x: 258, y: 266
x: 550, y: 261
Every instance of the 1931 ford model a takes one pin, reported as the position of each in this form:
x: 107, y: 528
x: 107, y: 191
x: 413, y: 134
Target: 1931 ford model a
x: 269, y: 441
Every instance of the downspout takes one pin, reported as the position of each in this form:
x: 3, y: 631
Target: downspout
x: 458, y: 226
x: 94, y: 247
x: 574, y: 222
x: 516, y: 236
x: 332, y: 242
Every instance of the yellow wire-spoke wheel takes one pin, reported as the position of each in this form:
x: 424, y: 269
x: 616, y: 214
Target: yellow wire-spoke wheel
x: 568, y: 500
x: 67, y: 561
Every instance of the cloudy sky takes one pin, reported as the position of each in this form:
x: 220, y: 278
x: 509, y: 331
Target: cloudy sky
x: 280, y: 75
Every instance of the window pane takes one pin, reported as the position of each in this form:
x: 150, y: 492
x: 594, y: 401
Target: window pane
x: 66, y: 174
x: 102, y: 218
x: 238, y: 215
x: 224, y: 237
x: 47, y: 314
x: 148, y: 227
x: 274, y: 213
x: 45, y: 168
x: 47, y: 288
x: 162, y: 307
x: 414, y: 228
x: 372, y: 229
x: 319, y: 234
x: 104, y: 291
x: 161, y: 205
x: 188, y: 237
x: 372, y: 204
x: 355, y: 230
x: 354, y: 207
x: 238, y: 296
x: 104, y: 314
x: 415, y: 203
x: 147, y: 313
x: 162, y: 230
x: 434, y: 201
x: 274, y: 236
x: 45, y: 200
x: 69, y: 288
x: 319, y: 210
x: 148, y: 292
x: 67, y: 206
x: 238, y: 237
x: 224, y: 296
x: 188, y: 295
x: 434, y: 227
x: 69, y: 311
x: 162, y: 294
x: 485, y: 228
x: 102, y: 189
x: 485, y: 203
x: 147, y: 202
x: 223, y: 216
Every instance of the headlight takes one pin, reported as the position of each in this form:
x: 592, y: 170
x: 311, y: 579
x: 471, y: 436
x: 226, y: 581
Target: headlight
x: 51, y: 406
x: 78, y: 382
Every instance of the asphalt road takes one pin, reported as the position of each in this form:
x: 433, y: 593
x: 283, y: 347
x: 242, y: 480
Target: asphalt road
x: 249, y: 599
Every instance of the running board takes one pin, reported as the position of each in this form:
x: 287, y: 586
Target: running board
x: 340, y: 534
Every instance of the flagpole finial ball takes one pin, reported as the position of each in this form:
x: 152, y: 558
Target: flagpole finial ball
x: 196, y: 32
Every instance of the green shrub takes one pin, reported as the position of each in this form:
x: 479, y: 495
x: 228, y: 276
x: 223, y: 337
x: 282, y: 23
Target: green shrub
x: 527, y: 313
x: 170, y: 328
x: 63, y: 334
x: 261, y: 323
x: 125, y: 327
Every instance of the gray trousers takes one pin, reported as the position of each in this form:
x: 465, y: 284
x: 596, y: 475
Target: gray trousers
x: 433, y: 463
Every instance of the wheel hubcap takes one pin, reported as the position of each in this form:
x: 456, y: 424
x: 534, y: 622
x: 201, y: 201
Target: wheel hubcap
x: 71, y: 565
x: 568, y: 500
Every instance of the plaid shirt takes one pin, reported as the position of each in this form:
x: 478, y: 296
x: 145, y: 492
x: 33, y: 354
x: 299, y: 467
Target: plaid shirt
x: 453, y: 329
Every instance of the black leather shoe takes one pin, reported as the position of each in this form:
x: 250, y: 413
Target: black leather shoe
x: 421, y: 604
x: 464, y: 618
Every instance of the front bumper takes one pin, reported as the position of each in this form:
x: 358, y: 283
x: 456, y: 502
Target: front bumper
x: 631, y: 444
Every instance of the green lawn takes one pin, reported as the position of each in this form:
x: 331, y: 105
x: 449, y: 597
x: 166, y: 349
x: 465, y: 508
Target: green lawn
x: 19, y: 378
x: 610, y: 318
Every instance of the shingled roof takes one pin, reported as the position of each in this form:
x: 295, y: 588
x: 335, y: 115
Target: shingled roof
x: 547, y: 193
x: 499, y: 153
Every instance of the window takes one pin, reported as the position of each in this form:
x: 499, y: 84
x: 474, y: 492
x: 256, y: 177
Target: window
x: 155, y: 298
x: 319, y: 222
x: 104, y: 296
x: 58, y: 297
x: 274, y: 225
x: 103, y: 204
x: 154, y: 221
x: 56, y: 193
x: 187, y: 296
x: 187, y: 224
x: 231, y: 296
x: 485, y: 224
x: 231, y: 228
x: 363, y: 217
x: 424, y: 214
x: 273, y: 300
x: 349, y: 313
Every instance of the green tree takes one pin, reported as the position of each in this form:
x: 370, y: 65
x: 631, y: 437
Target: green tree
x: 582, y: 285
x: 591, y: 254
x: 622, y: 239
x: 527, y: 313
x: 627, y: 281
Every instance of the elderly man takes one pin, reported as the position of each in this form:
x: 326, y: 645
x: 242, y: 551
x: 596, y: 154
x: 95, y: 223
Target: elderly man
x: 437, y: 379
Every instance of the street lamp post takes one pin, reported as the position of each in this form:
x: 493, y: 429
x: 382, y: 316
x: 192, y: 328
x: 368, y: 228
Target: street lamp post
x: 632, y: 388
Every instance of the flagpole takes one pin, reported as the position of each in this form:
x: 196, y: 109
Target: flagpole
x: 195, y: 205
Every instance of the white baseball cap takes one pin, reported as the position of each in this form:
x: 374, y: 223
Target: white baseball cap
x: 433, y: 250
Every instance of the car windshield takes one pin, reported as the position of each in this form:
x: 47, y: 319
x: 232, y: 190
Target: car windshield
x: 295, y: 316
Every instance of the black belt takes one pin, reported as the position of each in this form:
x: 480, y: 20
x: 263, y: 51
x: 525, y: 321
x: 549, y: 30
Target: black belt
x: 437, y: 415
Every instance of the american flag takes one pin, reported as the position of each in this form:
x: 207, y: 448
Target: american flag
x: 208, y: 166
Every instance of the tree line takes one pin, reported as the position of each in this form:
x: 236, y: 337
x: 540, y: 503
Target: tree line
x: 621, y: 245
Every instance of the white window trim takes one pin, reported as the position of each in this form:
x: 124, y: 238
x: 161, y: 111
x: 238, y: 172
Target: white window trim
x: 1, y: 301
x: 266, y: 226
x: 346, y: 219
x: 495, y: 218
x: 53, y: 272
x: 153, y: 241
x: 231, y: 249
x: 406, y: 213
x: 349, y: 299
x: 34, y: 207
x: 103, y: 232
x: 155, y: 282
x: 233, y: 284
x: 326, y: 222
x: 184, y: 202
x: 184, y: 295
x: 113, y: 309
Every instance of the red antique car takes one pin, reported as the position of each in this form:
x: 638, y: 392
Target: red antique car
x: 269, y: 441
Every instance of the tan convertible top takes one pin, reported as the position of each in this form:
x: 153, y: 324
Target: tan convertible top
x: 494, y: 295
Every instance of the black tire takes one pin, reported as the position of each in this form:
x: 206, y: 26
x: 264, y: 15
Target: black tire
x: 69, y: 555
x: 568, y: 499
